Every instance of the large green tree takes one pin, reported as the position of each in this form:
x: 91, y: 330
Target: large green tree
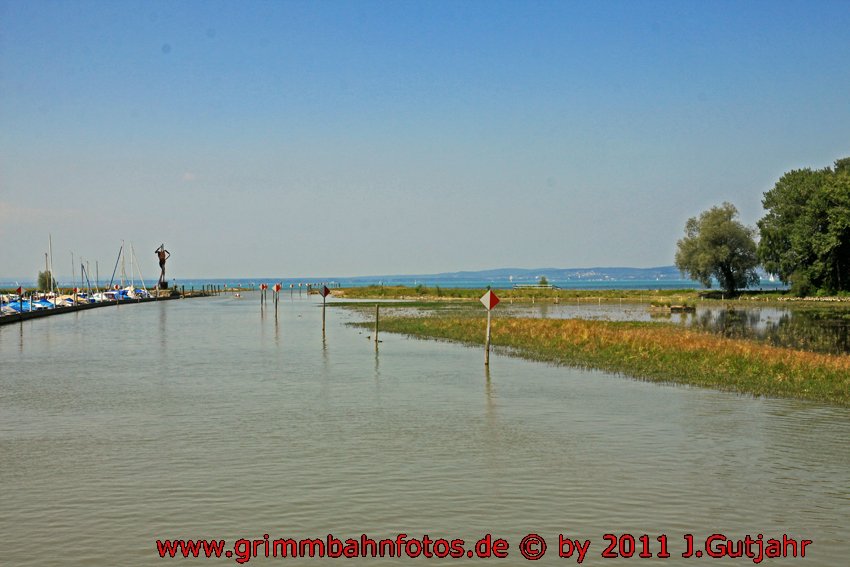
x: 805, y: 235
x: 718, y: 247
x: 46, y: 282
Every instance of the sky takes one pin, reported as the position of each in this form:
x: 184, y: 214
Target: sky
x: 310, y: 138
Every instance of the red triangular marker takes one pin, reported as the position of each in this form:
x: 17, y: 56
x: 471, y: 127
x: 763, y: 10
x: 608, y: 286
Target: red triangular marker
x: 489, y: 300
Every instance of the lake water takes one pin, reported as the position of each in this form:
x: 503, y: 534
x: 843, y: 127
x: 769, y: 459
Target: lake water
x: 209, y: 418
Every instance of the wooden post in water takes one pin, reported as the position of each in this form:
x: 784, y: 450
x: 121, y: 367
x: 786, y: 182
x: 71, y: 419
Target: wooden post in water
x: 377, y: 317
x: 325, y: 292
x: 487, y: 342
x: 489, y: 300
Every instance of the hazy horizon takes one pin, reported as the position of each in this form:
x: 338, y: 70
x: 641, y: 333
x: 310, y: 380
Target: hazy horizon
x: 60, y: 276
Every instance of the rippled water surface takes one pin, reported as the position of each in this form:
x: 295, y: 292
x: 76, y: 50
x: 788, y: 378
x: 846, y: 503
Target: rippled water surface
x: 205, y: 418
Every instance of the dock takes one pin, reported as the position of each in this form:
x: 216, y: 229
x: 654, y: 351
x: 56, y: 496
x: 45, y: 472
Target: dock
x: 38, y: 313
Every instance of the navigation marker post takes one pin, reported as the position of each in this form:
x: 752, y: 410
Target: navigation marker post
x: 490, y: 301
x: 277, y: 287
x: 325, y: 293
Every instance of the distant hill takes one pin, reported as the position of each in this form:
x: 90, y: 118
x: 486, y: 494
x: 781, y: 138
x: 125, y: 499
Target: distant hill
x: 554, y: 275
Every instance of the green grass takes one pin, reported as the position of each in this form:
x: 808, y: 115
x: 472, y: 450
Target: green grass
x: 437, y: 293
x: 688, y: 297
x: 650, y: 351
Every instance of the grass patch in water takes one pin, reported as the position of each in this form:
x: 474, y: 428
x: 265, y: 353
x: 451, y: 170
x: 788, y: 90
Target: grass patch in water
x: 651, y: 351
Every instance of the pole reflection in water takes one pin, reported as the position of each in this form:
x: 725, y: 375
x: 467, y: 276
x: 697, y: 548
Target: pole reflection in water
x: 489, y: 398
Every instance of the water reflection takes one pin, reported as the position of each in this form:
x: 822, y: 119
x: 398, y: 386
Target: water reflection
x: 819, y: 329
x: 489, y: 397
x: 814, y: 330
x: 163, y: 325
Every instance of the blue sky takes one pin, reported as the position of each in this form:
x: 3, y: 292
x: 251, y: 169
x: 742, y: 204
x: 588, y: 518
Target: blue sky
x: 356, y: 138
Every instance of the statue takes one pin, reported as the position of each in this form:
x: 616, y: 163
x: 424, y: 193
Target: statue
x: 163, y: 255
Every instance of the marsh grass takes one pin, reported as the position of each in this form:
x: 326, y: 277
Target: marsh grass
x: 688, y: 297
x: 651, y: 351
x: 438, y: 293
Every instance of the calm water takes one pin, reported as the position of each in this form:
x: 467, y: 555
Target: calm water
x: 203, y: 419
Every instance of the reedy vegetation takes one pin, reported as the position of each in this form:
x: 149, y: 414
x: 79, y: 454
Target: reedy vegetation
x: 650, y: 351
x: 438, y: 293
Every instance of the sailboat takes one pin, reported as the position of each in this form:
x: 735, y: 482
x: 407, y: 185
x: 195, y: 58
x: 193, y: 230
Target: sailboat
x: 126, y: 290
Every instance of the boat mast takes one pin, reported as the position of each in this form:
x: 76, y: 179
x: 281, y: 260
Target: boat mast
x: 134, y: 259
x: 115, y: 269
x: 50, y: 248
x: 123, y: 266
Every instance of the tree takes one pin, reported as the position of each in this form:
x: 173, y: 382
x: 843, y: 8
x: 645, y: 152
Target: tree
x: 805, y: 235
x: 718, y: 246
x: 46, y: 281
x: 542, y: 281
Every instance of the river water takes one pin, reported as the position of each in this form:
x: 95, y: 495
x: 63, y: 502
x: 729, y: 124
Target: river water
x: 212, y: 418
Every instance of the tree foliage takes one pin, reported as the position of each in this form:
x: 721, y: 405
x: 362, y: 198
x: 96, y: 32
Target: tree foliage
x: 46, y: 281
x: 718, y: 246
x: 805, y: 235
